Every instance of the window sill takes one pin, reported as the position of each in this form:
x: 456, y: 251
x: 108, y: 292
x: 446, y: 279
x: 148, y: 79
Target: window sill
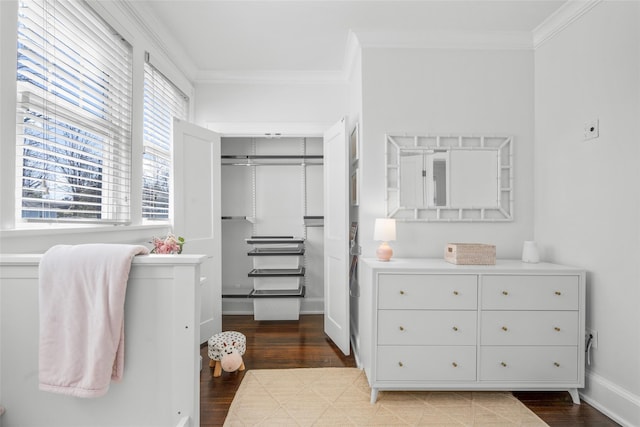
x: 66, y: 229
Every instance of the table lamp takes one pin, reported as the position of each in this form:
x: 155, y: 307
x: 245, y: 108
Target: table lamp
x: 384, y: 230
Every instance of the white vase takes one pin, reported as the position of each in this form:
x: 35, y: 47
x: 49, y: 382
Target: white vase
x: 530, y: 252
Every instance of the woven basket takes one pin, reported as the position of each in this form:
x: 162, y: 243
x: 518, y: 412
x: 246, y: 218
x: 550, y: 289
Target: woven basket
x: 470, y: 254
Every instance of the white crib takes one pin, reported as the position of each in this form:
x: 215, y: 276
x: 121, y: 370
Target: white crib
x: 160, y: 386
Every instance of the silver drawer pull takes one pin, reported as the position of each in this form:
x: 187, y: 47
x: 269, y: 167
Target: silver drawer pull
x: 401, y: 328
x: 556, y: 364
x: 454, y: 364
x: 455, y: 328
x: 504, y: 365
x: 400, y: 364
x: 505, y: 293
x: 556, y: 329
x: 504, y: 328
x: 558, y: 293
x: 456, y: 293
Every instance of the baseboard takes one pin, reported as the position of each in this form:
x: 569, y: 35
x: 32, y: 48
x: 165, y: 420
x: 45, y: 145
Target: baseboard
x: 312, y: 305
x: 237, y: 306
x: 615, y: 402
x: 244, y: 306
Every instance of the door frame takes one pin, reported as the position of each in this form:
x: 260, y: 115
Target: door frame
x: 262, y: 130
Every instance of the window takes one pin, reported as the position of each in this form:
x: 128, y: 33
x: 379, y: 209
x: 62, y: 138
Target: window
x: 162, y: 102
x: 73, y: 115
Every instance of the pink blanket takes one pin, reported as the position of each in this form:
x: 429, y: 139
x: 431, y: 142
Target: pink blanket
x: 82, y: 293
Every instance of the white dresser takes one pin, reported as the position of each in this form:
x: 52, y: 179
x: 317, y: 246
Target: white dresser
x: 425, y: 324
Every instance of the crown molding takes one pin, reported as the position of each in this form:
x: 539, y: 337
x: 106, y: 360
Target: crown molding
x: 442, y: 39
x: 269, y: 77
x: 157, y: 32
x: 357, y: 40
x: 159, y: 35
x: 561, y: 19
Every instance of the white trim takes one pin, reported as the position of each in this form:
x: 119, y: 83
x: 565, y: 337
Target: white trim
x: 312, y: 305
x: 279, y: 129
x: 560, y: 19
x: 52, y: 229
x: 617, y: 403
x: 519, y: 40
x: 269, y: 77
x: 158, y: 34
x: 8, y: 43
x: 444, y: 39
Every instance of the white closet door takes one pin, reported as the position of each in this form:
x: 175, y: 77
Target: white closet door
x: 336, y: 236
x: 197, y: 214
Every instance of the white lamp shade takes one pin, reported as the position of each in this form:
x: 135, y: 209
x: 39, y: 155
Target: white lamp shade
x: 384, y: 229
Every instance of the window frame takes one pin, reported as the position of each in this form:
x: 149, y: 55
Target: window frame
x: 38, y: 236
x: 74, y: 106
x: 157, y: 141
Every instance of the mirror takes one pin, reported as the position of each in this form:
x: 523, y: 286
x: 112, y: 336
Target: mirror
x: 449, y: 178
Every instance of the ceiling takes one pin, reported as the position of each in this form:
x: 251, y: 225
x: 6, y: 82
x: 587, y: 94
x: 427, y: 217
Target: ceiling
x: 312, y: 36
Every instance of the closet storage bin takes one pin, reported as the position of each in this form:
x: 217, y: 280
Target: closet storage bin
x: 470, y: 254
x: 276, y: 278
x: 277, y: 257
x: 277, y: 304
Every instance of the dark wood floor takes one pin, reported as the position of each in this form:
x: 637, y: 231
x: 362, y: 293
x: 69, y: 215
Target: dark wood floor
x: 303, y: 344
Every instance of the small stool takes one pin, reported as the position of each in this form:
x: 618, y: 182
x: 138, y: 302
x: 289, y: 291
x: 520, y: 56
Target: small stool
x: 222, y: 344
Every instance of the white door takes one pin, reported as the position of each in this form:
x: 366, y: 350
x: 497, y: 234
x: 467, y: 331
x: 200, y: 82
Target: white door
x: 336, y: 236
x: 197, y: 215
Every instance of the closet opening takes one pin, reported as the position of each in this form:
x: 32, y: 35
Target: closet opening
x: 272, y: 219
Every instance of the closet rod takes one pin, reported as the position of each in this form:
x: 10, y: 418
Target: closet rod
x: 273, y: 163
x: 271, y: 160
x: 271, y: 156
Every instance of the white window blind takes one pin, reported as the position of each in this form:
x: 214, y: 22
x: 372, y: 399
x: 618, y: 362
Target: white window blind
x: 73, y: 115
x: 162, y: 102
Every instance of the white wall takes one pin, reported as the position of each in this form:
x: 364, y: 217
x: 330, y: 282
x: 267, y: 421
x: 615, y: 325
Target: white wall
x: 587, y: 196
x: 252, y: 103
x: 446, y: 91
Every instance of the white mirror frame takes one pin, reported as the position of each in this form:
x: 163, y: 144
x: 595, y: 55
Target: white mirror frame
x: 501, y: 210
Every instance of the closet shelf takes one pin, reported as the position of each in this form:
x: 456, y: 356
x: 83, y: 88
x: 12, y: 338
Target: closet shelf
x: 251, y: 219
x: 277, y: 272
x: 245, y: 295
x: 293, y: 251
x: 277, y: 159
x: 271, y: 240
x: 270, y: 293
x: 278, y: 293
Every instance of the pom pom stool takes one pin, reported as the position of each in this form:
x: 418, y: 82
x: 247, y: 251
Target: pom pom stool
x: 225, y: 351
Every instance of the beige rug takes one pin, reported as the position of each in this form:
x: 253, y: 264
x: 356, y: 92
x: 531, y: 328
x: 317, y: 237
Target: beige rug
x: 341, y: 397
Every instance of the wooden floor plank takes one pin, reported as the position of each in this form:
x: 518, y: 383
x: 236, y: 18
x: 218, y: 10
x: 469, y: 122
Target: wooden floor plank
x: 303, y: 344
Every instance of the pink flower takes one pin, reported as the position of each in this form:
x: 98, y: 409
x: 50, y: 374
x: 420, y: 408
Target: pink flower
x: 168, y: 245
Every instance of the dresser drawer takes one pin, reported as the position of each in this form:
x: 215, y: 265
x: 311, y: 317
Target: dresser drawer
x: 524, y: 292
x: 428, y: 291
x: 522, y: 364
x: 425, y: 363
x: 529, y: 328
x: 422, y: 327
